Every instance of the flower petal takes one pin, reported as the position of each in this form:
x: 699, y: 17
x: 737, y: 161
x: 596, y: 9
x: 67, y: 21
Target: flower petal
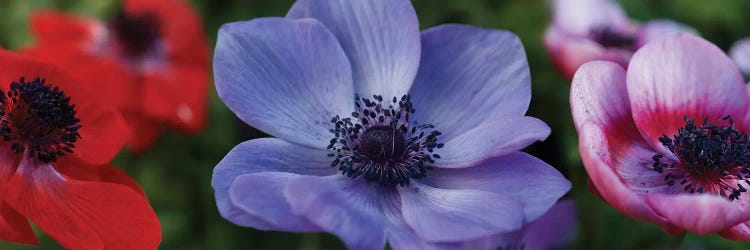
x: 449, y: 215
x: 352, y: 209
x: 261, y: 195
x: 740, y: 53
x: 699, y: 213
x: 285, y: 77
x: 81, y: 214
x: 682, y: 75
x: 491, y: 138
x: 568, y: 53
x: 14, y: 227
x: 51, y: 27
x: 580, y: 17
x: 146, y: 132
x: 598, y: 94
x: 654, y: 29
x: 469, y: 76
x: 177, y: 95
x: 380, y: 37
x: 262, y: 155
x: 739, y: 232
x: 528, y: 180
x: 601, y: 158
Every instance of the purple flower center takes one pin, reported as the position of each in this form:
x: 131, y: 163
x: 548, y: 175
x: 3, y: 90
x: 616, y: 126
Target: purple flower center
x: 381, y: 144
x: 711, y: 158
x: 611, y: 38
x: 512, y: 247
x: 136, y: 34
x: 38, y: 119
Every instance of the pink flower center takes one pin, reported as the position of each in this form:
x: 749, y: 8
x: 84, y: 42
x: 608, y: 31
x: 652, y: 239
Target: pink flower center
x: 381, y: 145
x: 38, y: 119
x: 711, y: 159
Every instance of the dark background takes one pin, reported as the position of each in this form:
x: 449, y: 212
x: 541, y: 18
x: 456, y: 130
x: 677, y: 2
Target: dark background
x: 176, y: 172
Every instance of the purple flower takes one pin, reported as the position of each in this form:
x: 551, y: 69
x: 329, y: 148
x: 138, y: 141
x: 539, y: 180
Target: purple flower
x: 382, y: 133
x: 557, y: 228
x: 590, y: 30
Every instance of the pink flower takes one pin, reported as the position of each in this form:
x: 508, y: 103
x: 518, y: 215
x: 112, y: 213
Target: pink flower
x: 665, y: 141
x: 590, y: 30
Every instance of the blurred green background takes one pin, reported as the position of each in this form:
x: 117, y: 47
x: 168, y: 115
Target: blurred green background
x: 176, y: 172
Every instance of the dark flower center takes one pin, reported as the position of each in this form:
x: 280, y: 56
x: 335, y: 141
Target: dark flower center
x: 711, y: 158
x: 512, y: 247
x: 381, y: 144
x: 136, y: 34
x: 611, y: 38
x: 38, y: 119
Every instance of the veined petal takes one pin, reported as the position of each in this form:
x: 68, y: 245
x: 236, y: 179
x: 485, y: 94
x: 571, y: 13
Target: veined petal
x: 81, y: 214
x: 469, y: 76
x: 682, y: 75
x: 380, y: 37
x: 354, y: 210
x: 449, y: 215
x: 497, y: 137
x: 654, y: 29
x: 285, y: 77
x: 699, y: 213
x: 528, y: 180
x: 256, y: 156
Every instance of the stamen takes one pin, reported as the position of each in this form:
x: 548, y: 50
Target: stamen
x: 380, y: 144
x: 136, y: 34
x: 38, y: 119
x: 711, y: 158
x: 611, y: 38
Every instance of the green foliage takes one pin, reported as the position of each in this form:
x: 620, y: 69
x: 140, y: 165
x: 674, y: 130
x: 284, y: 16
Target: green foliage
x: 176, y: 173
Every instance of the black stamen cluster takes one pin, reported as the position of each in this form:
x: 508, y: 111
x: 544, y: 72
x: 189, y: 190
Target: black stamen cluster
x: 379, y: 144
x: 610, y: 38
x: 38, y: 118
x: 711, y: 158
x: 136, y: 33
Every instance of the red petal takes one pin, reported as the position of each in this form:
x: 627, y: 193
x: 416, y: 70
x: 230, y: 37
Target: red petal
x: 145, y: 132
x: 73, y: 168
x: 83, y: 214
x: 51, y: 27
x: 14, y: 227
x: 177, y: 96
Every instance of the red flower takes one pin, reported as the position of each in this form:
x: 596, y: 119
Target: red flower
x: 151, y: 59
x: 55, y: 145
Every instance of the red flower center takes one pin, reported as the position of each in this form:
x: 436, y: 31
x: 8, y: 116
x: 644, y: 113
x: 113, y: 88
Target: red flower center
x: 136, y: 34
x: 711, y: 158
x: 38, y: 119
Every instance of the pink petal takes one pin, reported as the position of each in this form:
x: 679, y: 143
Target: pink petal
x: 699, y: 213
x: 682, y: 75
x: 568, y: 52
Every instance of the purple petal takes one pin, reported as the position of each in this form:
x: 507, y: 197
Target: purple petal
x: 580, y: 17
x: 261, y: 195
x: 528, y: 180
x: 682, y: 75
x: 449, y: 215
x: 285, y: 77
x: 263, y: 155
x: 740, y: 53
x: 468, y: 76
x: 491, y: 138
x: 354, y: 210
x: 659, y: 28
x: 555, y: 229
x: 380, y: 37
